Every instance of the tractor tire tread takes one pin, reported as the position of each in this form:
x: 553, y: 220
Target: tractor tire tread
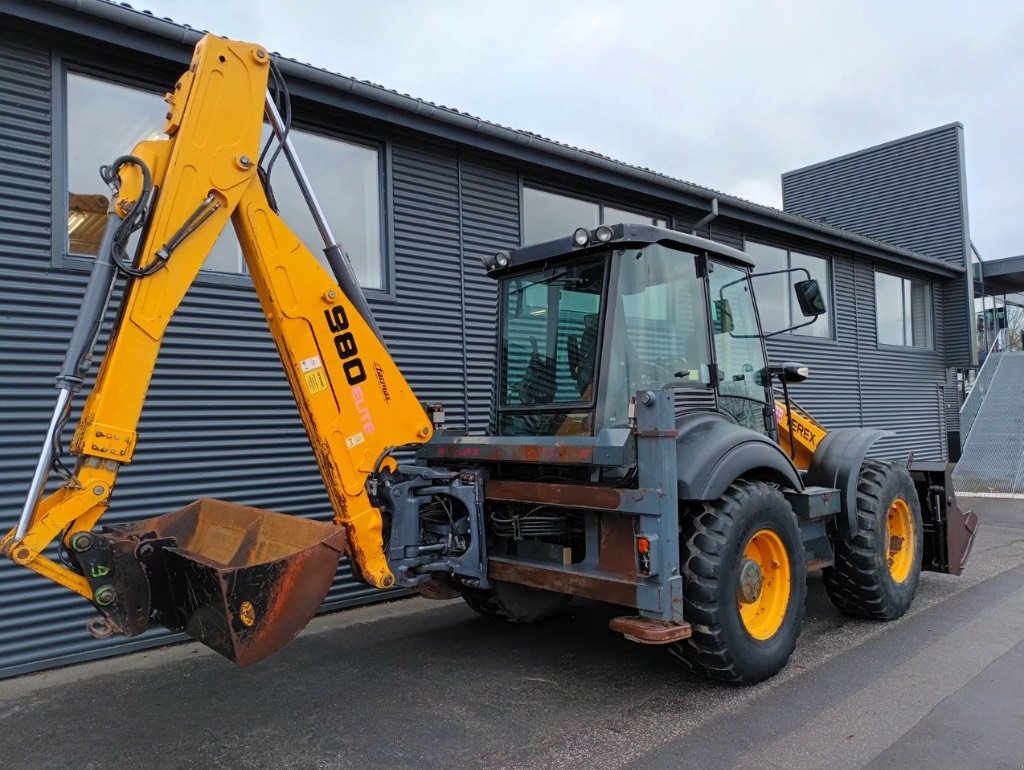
x: 855, y: 583
x: 703, y: 537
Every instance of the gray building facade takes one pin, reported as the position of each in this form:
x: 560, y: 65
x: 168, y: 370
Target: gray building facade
x: 438, y: 189
x: 911, y: 192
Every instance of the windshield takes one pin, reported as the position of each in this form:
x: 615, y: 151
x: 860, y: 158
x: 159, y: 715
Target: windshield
x: 549, y: 345
x: 659, y: 333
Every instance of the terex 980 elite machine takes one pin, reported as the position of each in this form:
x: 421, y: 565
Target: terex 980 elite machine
x: 639, y: 454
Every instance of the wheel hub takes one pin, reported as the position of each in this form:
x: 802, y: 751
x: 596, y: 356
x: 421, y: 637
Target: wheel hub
x: 900, y: 525
x: 751, y: 580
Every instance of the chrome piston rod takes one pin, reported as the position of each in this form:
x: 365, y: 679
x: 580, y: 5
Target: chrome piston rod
x: 336, y: 255
x: 43, y: 465
x: 77, y: 360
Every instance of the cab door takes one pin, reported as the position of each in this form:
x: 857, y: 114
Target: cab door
x: 743, y: 385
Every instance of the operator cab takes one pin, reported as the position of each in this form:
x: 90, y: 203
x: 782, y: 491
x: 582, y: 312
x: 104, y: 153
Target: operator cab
x: 587, y: 321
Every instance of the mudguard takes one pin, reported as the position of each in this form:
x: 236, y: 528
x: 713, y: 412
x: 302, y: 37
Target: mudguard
x: 836, y: 464
x: 713, y: 451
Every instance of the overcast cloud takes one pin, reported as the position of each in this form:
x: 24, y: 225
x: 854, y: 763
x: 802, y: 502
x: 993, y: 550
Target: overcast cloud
x: 727, y: 95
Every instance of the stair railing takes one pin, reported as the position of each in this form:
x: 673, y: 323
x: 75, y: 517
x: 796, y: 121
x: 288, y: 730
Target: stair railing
x: 972, y: 404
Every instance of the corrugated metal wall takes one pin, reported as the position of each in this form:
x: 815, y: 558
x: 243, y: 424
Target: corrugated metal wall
x: 32, y: 325
x: 832, y: 393
x: 38, y: 620
x: 424, y: 325
x: 901, y: 390
x: 490, y: 222
x: 910, y: 192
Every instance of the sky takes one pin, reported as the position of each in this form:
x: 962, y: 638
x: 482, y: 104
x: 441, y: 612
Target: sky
x: 724, y: 94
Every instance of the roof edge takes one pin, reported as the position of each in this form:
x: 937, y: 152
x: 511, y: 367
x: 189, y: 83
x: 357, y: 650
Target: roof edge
x: 875, y: 147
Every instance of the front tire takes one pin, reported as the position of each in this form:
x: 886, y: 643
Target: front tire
x: 744, y: 584
x: 876, y: 572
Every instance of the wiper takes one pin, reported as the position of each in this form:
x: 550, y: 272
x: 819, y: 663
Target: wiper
x: 545, y: 282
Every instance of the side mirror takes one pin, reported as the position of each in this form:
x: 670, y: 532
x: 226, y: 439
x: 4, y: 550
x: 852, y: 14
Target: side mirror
x: 721, y: 317
x: 808, y: 294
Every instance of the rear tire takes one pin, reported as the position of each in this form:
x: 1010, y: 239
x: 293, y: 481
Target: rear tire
x: 513, y: 603
x: 745, y: 619
x: 876, y: 572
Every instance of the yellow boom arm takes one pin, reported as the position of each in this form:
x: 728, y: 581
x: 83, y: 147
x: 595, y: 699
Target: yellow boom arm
x: 354, y: 402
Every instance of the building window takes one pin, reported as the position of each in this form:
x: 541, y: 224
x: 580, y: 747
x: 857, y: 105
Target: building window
x: 614, y: 216
x: 776, y: 300
x: 548, y: 215
x: 903, y: 310
x: 104, y: 120
x: 345, y: 176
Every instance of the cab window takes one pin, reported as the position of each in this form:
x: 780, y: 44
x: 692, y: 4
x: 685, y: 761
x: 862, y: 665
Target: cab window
x: 549, y: 348
x: 658, y: 336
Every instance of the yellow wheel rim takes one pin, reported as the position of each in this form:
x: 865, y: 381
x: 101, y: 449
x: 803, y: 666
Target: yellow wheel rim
x: 764, y: 584
x: 900, y: 531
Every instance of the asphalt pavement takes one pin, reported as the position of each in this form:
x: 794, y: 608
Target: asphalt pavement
x: 416, y: 683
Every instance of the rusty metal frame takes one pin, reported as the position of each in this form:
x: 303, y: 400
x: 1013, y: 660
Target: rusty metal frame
x: 650, y: 511
x: 586, y: 496
x: 609, y: 448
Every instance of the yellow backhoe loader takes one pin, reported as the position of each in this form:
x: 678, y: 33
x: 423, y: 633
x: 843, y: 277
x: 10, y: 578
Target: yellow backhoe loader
x: 638, y: 454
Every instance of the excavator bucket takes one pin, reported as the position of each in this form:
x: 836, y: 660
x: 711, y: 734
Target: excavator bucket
x: 241, y: 580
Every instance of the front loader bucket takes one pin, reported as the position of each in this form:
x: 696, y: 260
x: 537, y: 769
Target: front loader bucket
x: 241, y: 580
x: 948, y: 531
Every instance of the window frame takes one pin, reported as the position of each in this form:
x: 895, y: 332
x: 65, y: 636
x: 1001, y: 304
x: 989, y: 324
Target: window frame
x: 601, y: 203
x: 62, y: 258
x: 930, y: 317
x: 794, y: 334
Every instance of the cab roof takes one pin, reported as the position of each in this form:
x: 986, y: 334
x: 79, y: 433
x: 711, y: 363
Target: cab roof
x: 622, y: 235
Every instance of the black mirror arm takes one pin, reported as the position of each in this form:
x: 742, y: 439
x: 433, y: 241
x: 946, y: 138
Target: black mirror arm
x: 790, y: 328
x: 803, y: 270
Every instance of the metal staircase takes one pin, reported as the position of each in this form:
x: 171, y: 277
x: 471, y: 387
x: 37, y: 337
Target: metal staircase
x: 992, y: 421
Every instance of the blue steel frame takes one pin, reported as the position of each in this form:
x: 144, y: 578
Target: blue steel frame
x: 661, y: 595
